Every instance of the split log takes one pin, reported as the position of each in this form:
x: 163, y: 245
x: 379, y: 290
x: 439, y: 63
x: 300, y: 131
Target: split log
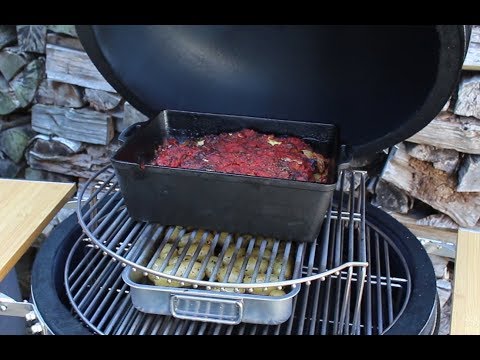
x: 8, y: 35
x: 73, y: 66
x: 8, y: 99
x: 64, y: 41
x: 53, y: 146
x: 102, y: 100
x: 32, y: 38
x: 440, y: 264
x: 59, y: 94
x: 41, y: 175
x: 9, y: 169
x: 130, y: 116
x: 63, y: 29
x: 117, y: 115
x: 84, y: 125
x: 438, y: 221
x: 14, y: 141
x: 26, y: 83
x: 391, y: 198
x: 12, y: 60
x: 57, y: 158
x: 443, y: 159
x: 472, y: 60
x: 468, y: 101
x: 16, y: 86
x: 469, y: 174
x: 17, y: 120
x: 475, y: 35
x: 432, y: 186
x: 423, y: 231
x: 449, y: 131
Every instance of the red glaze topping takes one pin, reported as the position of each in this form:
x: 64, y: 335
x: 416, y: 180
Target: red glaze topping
x: 246, y: 152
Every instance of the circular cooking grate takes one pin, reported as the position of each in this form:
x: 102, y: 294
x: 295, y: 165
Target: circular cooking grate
x: 339, y: 294
x: 104, y: 219
x: 148, y: 248
x: 101, y: 299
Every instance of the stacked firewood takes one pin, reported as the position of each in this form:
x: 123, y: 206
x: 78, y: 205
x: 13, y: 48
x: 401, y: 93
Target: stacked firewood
x: 59, y: 117
x: 434, y: 176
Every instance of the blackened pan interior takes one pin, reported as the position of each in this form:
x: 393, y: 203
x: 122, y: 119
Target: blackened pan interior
x: 140, y: 147
x: 283, y: 209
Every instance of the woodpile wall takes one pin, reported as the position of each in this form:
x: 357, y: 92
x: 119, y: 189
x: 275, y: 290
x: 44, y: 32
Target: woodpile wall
x: 433, y: 178
x: 59, y: 118
x: 59, y: 121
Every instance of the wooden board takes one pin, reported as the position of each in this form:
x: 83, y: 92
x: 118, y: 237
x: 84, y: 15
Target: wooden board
x: 466, y: 289
x: 26, y: 207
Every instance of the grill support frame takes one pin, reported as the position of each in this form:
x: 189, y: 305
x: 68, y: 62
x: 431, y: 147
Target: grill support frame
x: 87, y: 208
x: 50, y: 299
x: 350, y: 215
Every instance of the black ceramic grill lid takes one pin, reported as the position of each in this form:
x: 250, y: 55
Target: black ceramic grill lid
x: 378, y: 84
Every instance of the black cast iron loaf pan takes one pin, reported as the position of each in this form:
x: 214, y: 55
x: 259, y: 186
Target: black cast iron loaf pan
x: 283, y: 209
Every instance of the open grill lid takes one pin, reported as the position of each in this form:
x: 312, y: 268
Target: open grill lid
x: 378, y: 84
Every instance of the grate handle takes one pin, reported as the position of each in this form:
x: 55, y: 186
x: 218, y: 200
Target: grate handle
x: 128, y: 132
x: 221, y: 311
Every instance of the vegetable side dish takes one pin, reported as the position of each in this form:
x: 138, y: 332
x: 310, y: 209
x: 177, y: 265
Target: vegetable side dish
x: 242, y: 269
x: 246, y: 152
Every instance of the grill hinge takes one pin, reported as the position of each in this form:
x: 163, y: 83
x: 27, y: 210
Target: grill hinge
x: 11, y: 307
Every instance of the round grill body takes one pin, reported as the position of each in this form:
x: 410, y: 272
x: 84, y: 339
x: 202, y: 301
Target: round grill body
x: 402, y: 301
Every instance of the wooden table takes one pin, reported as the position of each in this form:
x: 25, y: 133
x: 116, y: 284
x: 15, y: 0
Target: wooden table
x: 26, y: 207
x: 466, y: 287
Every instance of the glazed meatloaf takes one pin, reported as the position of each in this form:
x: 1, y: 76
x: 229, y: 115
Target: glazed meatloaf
x: 246, y: 152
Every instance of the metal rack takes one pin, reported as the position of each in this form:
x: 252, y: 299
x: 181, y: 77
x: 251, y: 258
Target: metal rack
x: 104, y: 219
x: 101, y: 300
x: 338, y: 253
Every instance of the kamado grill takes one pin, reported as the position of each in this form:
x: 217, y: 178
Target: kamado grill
x: 364, y: 273
x: 337, y: 292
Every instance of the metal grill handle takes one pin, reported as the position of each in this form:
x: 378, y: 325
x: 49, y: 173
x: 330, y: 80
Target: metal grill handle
x: 220, y: 311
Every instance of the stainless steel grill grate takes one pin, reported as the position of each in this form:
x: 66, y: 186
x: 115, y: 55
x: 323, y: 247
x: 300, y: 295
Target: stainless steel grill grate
x: 105, y: 221
x: 103, y: 303
x: 338, y: 259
